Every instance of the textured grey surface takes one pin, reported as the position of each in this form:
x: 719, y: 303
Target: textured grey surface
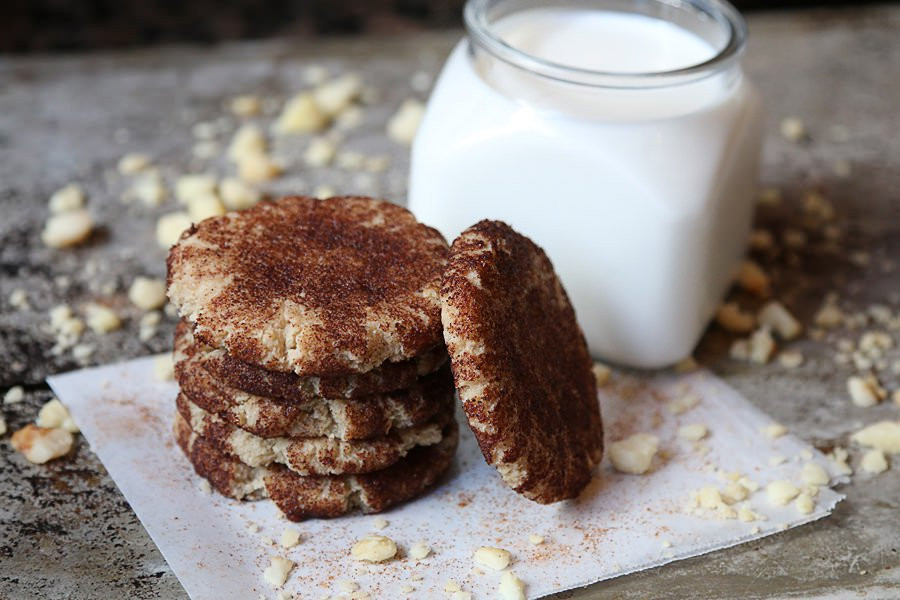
x: 65, y: 531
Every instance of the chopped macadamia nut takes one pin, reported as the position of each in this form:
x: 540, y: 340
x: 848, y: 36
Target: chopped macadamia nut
x: 829, y: 316
x: 731, y: 318
x: 403, y: 125
x: 133, y: 163
x: 536, y: 539
x: 781, y: 492
x: 332, y: 97
x: 54, y: 415
x: 14, y: 395
x: 776, y: 460
x: 204, y: 206
x: 374, y: 548
x: 204, y: 130
x: 684, y: 403
x: 865, y: 391
x: 247, y: 141
x: 290, y: 537
x: 407, y: 589
x: 301, y: 114
x: 814, y: 474
x: 693, y: 432
x: 147, y: 293
x: 349, y: 160
x: 419, y: 551
x: 147, y: 325
x: 874, y: 461
x: 790, y: 359
x: 101, y: 319
x: 746, y: 515
x: 257, y: 168
x: 237, y: 195
x: 149, y: 189
x: 346, y: 586
x: 634, y: 454
x: 838, y: 457
x: 492, y: 558
x: 39, y: 445
x: 875, y: 343
x: 324, y: 191
x: 884, y: 436
x: 278, y: 570
x: 192, y: 186
x: 379, y: 523
x: 452, y: 586
x: 320, y: 152
x: 602, y: 373
x: 246, y: 106
x: 170, y: 227
x: 511, y: 587
x: 709, y: 497
x: 776, y: 317
x: 164, y: 367
x: 753, y: 279
x: 794, y: 238
x: 774, y: 431
x: 793, y: 129
x: 18, y: 299
x: 68, y: 228
x: 804, y: 504
x: 761, y: 346
x: 66, y: 198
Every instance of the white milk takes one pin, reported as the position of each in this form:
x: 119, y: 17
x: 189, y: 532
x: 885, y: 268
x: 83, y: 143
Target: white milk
x: 642, y: 198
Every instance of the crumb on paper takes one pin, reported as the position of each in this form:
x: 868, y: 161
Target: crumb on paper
x: 452, y: 586
x: 753, y: 279
x: 68, y: 228
x: 634, y: 454
x: 379, y: 523
x: 865, y: 391
x: 874, y: 461
x: 777, y: 318
x: 147, y: 293
x: 829, y: 316
x: 252, y: 528
x: 402, y: 127
x: 407, y: 589
x: 511, y: 587
x: 535, y: 539
x: 170, y: 227
x: 774, y: 431
x: 290, y: 537
x: 346, y: 586
x: 730, y: 317
x: 419, y: 551
x: 205, y: 487
x: 884, y: 436
x: 602, y: 373
x: 804, y: 504
x: 781, y: 492
x: 374, y: 548
x: 14, y: 395
x: 69, y: 197
x: 101, y: 319
x: 683, y: 403
x: 39, y: 445
x: 53, y: 414
x: 814, y: 474
x: 693, y: 432
x: 492, y: 558
x: 278, y: 570
x: 792, y: 129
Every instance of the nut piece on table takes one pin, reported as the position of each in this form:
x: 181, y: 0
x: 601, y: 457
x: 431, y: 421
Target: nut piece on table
x: 101, y: 319
x: 419, y: 551
x: 301, y: 114
x: 731, y: 318
x: 40, y: 445
x: 164, y: 367
x: 147, y: 293
x: 68, y: 228
x: 865, y: 391
x: 278, y: 570
x: 492, y: 558
x: 55, y: 415
x: 374, y: 548
x: 634, y: 454
x: 246, y: 105
x: 132, y: 163
x: 884, y: 436
x: 170, y: 227
x: 192, y: 186
x: 403, y: 126
x: 693, y: 432
x: 804, y: 504
x: 511, y: 587
x: 237, y: 195
x: 67, y: 198
x: 874, y: 461
x: 290, y: 537
x: 332, y: 97
x: 776, y: 317
x: 793, y: 129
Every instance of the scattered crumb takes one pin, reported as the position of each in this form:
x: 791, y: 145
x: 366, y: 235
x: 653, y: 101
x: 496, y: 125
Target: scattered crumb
x: 774, y: 431
x: 147, y: 293
x: 816, y: 205
x: 693, y: 432
x: 814, y: 474
x: 237, y: 195
x: 452, y: 586
x: 781, y: 492
x: 324, y: 191
x: 492, y: 558
x: 758, y: 348
x: 686, y: 365
x: 132, y: 163
x: 776, y: 317
x: 320, y: 152
x: 18, y: 299
x: 278, y: 570
x: 776, y: 460
x: 419, y: 551
x: 54, y: 415
x: 334, y: 96
x: 793, y: 129
x: 865, y: 391
x: 403, y: 125
x: 683, y: 403
x: 804, y: 504
x: 407, y: 589
x: 379, y: 523
x: 257, y: 168
x: 346, y: 586
x: 14, y: 395
x: 205, y: 487
x: 602, y: 373
x: 884, y: 436
x: 755, y: 530
x: 252, y: 528
x: 536, y: 539
x: 511, y: 587
x: 634, y: 454
x: 374, y: 548
x: 829, y: 316
x: 770, y: 196
x: 192, y: 186
x: 754, y: 280
x: 790, y: 359
x: 204, y: 206
x: 874, y: 461
x: 39, y: 445
x: 838, y: 457
x: 101, y: 319
x: 164, y: 367
x: 246, y: 106
x: 301, y: 114
x: 290, y: 537
x: 68, y: 228
x: 170, y: 227
x: 67, y: 198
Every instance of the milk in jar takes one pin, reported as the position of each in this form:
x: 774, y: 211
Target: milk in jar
x: 622, y: 137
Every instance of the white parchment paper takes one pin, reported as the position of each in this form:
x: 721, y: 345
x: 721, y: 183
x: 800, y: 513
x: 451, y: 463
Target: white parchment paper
x: 620, y: 524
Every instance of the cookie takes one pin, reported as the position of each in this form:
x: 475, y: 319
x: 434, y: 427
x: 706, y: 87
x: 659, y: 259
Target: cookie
x: 520, y: 363
x: 314, y: 287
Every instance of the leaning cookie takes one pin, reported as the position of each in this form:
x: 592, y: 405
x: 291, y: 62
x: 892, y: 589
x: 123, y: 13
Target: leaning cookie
x: 521, y: 363
x: 301, y: 497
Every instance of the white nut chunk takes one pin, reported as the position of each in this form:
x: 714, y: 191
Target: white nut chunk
x: 40, y: 445
x: 634, y: 454
x: 865, y: 391
x: 403, y: 126
x: 290, y: 537
x: 776, y: 317
x: 132, y: 163
x: 874, y: 461
x: 374, y: 548
x: 66, y: 198
x: 492, y: 558
x: 191, y: 186
x: 68, y: 228
x: 147, y: 293
x: 419, y: 551
x: 237, y: 195
x: 101, y: 319
x: 693, y: 432
x: 511, y: 587
x: 247, y: 141
x: 884, y: 436
x: 170, y: 227
x: 814, y: 474
x: 164, y: 367
x: 334, y: 96
x: 804, y: 504
x: 781, y: 492
x: 55, y: 415
x: 278, y: 570
x: 301, y: 115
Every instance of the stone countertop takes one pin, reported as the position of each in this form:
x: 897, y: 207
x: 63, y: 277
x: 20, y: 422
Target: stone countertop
x: 66, y: 531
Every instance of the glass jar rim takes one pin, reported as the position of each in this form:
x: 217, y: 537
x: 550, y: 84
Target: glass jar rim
x: 479, y: 27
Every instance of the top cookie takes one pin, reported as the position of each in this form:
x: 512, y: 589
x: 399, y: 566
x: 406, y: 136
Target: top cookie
x: 317, y: 287
x: 521, y: 363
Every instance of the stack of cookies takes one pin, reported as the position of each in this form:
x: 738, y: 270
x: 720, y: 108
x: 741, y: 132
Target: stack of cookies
x: 310, y: 357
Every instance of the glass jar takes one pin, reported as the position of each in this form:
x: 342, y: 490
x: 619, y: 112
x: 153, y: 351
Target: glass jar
x: 621, y: 136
